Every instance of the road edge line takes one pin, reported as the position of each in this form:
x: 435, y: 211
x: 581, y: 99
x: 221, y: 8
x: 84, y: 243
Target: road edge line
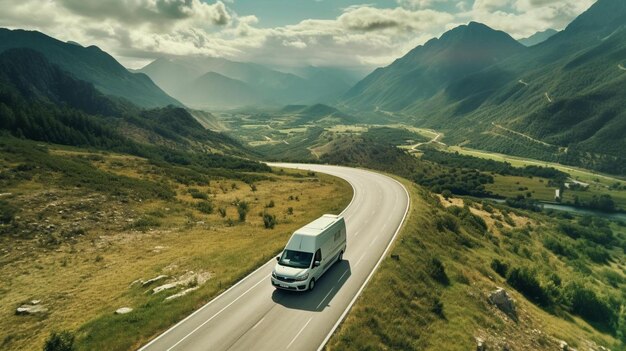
x: 369, y: 277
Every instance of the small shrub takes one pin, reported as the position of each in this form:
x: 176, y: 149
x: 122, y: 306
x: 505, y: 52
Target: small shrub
x: 253, y: 187
x: 269, y: 221
x: 525, y: 281
x: 437, y: 271
x: 205, y: 207
x: 437, y: 308
x: 7, y: 212
x: 270, y: 204
x: 585, y: 303
x: 596, y: 253
x: 199, y: 195
x: 60, y: 341
x: 242, y: 209
x: 446, y: 221
x: 144, y: 223
x: 290, y: 210
x: 222, y: 211
x: 499, y: 267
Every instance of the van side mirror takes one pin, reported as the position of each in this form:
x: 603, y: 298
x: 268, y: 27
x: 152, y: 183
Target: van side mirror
x: 277, y: 258
x: 316, y: 264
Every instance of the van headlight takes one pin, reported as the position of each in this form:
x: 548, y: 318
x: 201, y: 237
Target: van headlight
x: 300, y: 278
x: 274, y: 275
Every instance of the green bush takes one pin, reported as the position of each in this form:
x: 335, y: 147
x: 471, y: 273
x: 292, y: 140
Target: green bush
x: 559, y: 247
x: 269, y: 221
x: 525, y: 281
x: 205, y: 207
x: 222, y: 211
x: 242, y: 209
x: 60, y: 341
x: 585, y: 303
x: 7, y: 212
x: 144, y: 223
x: 500, y: 267
x: 446, y: 221
x: 199, y: 195
x: 596, y: 253
x: 437, y: 271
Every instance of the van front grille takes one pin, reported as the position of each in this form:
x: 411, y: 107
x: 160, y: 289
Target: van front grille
x: 285, y: 279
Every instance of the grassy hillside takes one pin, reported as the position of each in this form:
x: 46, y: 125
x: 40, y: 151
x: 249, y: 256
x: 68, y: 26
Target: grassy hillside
x: 82, y: 231
x: 558, y: 101
x: 40, y: 101
x: 92, y: 65
x: 432, y: 292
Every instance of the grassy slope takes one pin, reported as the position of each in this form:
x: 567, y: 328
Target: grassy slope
x: 77, y: 243
x: 397, y: 309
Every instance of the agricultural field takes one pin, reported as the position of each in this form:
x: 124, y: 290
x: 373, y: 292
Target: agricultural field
x: 90, y: 232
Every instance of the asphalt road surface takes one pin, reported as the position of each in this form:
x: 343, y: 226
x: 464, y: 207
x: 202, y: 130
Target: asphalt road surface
x: 253, y: 315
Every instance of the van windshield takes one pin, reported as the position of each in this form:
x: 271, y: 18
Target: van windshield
x: 295, y: 259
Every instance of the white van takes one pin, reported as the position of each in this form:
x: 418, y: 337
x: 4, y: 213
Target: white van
x: 309, y: 253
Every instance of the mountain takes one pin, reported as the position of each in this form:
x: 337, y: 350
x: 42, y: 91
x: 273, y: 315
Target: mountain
x: 538, y: 37
x: 272, y: 87
x: 213, y: 90
x: 427, y: 69
x: 561, y: 100
x: 41, y: 101
x: 92, y: 65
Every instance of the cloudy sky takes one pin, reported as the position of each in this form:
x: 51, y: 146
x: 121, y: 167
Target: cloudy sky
x: 348, y: 33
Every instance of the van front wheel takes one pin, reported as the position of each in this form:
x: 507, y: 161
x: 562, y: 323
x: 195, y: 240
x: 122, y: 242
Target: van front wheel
x: 340, y: 258
x: 312, y: 284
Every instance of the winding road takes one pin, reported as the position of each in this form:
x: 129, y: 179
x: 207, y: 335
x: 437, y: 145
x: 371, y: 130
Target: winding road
x: 252, y: 315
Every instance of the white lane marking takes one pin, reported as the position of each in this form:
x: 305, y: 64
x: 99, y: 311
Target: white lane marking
x: 355, y: 234
x: 373, y: 241
x: 218, y: 312
x: 257, y: 323
x: 343, y: 275
x: 325, y: 297
x: 359, y: 261
x: 300, y: 332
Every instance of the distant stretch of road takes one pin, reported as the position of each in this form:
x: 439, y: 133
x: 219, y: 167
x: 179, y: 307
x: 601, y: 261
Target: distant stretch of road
x: 252, y: 315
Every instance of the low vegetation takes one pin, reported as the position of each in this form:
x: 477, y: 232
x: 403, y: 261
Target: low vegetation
x: 83, y: 231
x: 452, y: 253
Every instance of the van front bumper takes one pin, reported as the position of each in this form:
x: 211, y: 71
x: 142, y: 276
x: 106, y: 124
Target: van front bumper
x: 293, y: 286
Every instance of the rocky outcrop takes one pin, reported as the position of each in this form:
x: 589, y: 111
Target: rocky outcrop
x: 31, y: 308
x: 182, y: 293
x: 153, y: 280
x: 123, y: 310
x: 480, y: 344
x: 501, y: 299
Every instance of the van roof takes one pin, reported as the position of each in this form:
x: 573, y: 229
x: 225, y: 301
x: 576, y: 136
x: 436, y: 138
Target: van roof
x: 318, y: 225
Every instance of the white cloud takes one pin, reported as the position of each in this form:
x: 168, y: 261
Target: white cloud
x: 140, y: 30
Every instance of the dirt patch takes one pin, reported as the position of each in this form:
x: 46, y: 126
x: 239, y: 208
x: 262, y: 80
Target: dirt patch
x: 494, y: 218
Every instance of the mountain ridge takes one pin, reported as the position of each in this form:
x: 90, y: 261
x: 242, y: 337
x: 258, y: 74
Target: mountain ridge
x: 90, y: 64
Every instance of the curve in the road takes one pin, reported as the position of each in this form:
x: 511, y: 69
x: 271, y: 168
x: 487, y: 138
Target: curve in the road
x: 253, y: 315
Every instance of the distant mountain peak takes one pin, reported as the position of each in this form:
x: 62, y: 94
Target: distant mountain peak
x: 604, y: 14
x: 538, y: 37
